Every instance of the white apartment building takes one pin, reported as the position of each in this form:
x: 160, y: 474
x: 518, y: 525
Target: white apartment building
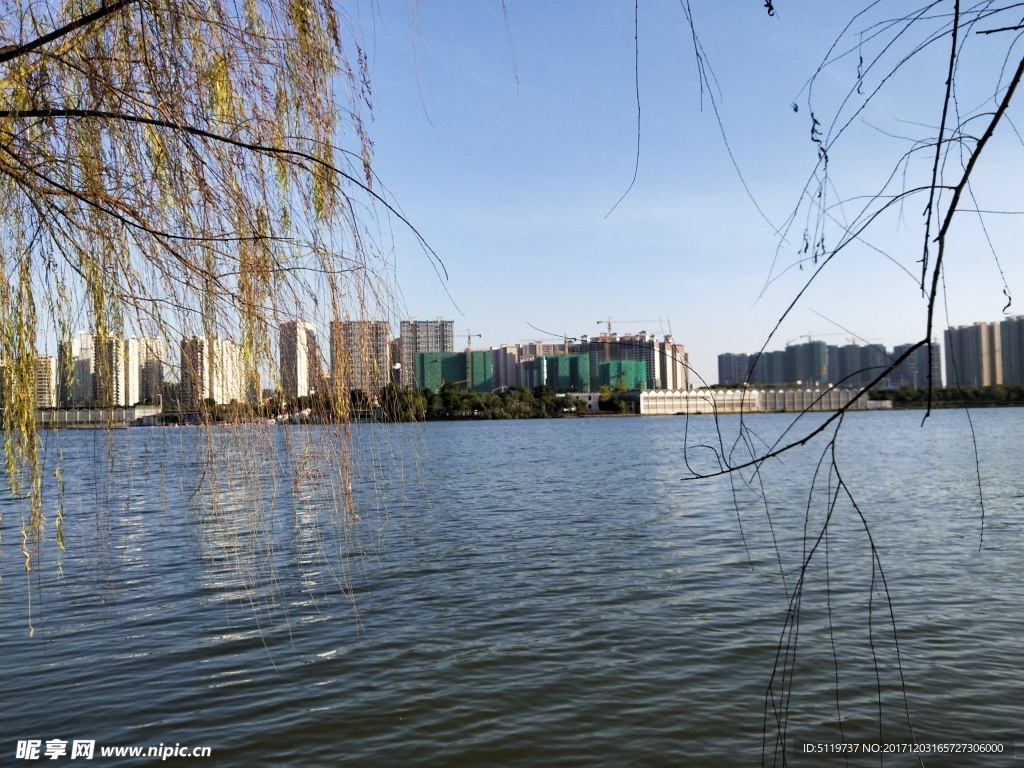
x: 211, y: 370
x: 92, y: 372
x: 301, y: 373
x: 132, y: 370
x: 46, y: 381
x: 145, y: 357
x: 360, y: 354
x: 673, y: 365
x: 505, y: 365
x: 75, y: 362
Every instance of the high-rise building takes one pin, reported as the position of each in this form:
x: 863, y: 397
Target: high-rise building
x: 1011, y: 336
x: 113, y: 372
x: 617, y: 374
x: 131, y: 364
x: 734, y: 369
x: 666, y: 364
x: 467, y: 370
x: 874, y: 360
x: 360, y: 354
x: 418, y: 336
x: 599, y: 348
x: 109, y: 372
x: 65, y: 375
x: 673, y: 365
x: 75, y: 362
x: 505, y: 363
x: 974, y: 355
x: 913, y: 372
x: 153, y: 355
x: 211, y: 370
x: 301, y: 372
x: 46, y: 381
x: 561, y: 372
x: 806, y: 363
x: 533, y: 349
x: 854, y: 365
x: 768, y: 368
x: 642, y: 347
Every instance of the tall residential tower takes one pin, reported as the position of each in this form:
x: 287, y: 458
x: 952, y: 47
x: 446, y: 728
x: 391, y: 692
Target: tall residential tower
x: 974, y: 355
x: 417, y: 336
x: 301, y: 373
x: 360, y: 355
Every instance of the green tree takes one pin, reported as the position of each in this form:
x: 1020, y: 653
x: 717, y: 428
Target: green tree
x: 519, y: 402
x: 451, y: 398
x: 400, y: 404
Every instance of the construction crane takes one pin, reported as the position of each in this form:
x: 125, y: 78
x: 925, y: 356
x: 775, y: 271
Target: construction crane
x: 810, y: 338
x: 469, y: 356
x: 608, y: 335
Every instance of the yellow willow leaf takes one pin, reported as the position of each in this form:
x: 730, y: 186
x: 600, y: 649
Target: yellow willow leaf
x: 158, y: 158
x: 222, y: 92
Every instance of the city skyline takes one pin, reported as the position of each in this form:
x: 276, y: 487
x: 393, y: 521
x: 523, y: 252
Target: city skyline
x: 512, y: 169
x: 140, y: 369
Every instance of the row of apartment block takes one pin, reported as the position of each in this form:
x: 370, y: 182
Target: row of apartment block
x: 816, y: 363
x: 361, y: 355
x: 364, y: 356
x: 982, y: 354
x: 113, y: 371
x: 124, y: 372
x: 986, y: 354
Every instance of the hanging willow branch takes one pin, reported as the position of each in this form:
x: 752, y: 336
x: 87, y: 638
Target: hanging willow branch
x: 196, y: 166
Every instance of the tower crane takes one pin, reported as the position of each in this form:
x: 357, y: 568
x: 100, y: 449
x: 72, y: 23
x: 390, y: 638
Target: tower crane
x: 811, y: 337
x: 469, y: 356
x: 608, y: 335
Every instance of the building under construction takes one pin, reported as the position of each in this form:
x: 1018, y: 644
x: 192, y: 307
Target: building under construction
x: 566, y: 373
x: 468, y: 370
x: 622, y: 374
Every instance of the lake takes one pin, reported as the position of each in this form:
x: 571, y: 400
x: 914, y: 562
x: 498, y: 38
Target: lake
x: 526, y: 593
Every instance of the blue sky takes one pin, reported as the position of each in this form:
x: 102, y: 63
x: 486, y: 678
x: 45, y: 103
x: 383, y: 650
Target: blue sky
x: 508, y: 161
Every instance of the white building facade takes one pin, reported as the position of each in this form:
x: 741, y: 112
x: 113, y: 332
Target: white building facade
x: 662, y: 402
x: 211, y: 370
x: 46, y: 381
x: 360, y: 354
x: 300, y: 359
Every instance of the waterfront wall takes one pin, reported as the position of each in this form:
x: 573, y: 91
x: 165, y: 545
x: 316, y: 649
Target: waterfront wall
x: 135, y: 416
x: 723, y: 401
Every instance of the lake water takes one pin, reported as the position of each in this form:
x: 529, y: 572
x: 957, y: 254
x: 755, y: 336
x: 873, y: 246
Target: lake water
x: 526, y: 593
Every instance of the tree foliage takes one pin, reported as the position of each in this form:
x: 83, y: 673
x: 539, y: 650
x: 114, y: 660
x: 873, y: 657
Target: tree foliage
x: 952, y: 397
x: 177, y: 168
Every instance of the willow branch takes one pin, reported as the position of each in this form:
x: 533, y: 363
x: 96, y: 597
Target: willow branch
x: 962, y: 184
x: 252, y: 147
x: 12, y: 52
x: 930, y: 210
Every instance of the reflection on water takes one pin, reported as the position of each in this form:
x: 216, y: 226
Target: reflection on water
x: 524, y: 593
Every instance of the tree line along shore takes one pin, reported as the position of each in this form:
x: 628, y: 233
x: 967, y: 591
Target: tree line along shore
x: 450, y: 402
